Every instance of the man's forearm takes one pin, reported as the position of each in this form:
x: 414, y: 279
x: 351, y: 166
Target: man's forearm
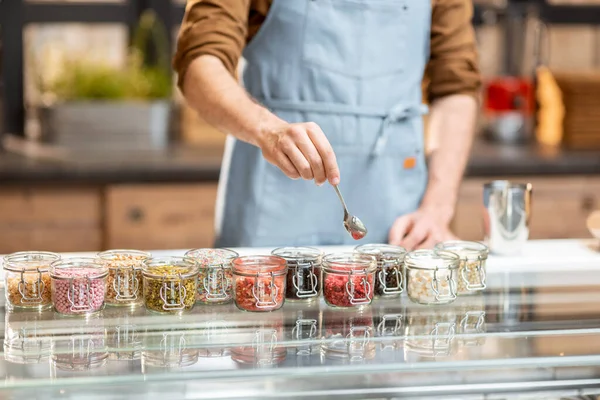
x: 451, y: 130
x: 223, y: 103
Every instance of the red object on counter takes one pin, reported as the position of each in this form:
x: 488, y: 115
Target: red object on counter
x: 510, y: 93
x: 335, y: 291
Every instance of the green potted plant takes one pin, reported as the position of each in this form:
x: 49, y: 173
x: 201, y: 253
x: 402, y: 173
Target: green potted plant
x: 92, y: 105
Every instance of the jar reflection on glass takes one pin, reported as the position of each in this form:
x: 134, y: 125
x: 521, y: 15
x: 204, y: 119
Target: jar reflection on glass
x: 472, y: 268
x: 348, y: 336
x: 167, y: 349
x: 471, y: 320
x: 124, y: 340
x: 260, y: 343
x: 348, y: 279
x: 389, y: 278
x: 259, y: 283
x: 78, y: 285
x: 83, y: 349
x: 431, y: 276
x: 304, y: 327
x: 25, y: 342
x: 389, y: 321
x: 430, y: 331
x: 170, y: 284
x: 215, y: 279
x: 304, y: 272
x: 214, y: 338
x: 27, y: 278
x: 124, y: 281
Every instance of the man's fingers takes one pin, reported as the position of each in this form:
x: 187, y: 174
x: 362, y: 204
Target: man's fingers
x: 297, y: 158
x: 311, y: 153
x: 428, y: 243
x: 399, y: 229
x: 288, y: 168
x: 418, y: 234
x: 319, y: 139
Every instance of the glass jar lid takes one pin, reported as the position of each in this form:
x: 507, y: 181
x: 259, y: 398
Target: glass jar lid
x: 212, y: 257
x: 382, y: 252
x: 346, y: 263
x: 259, y: 265
x: 431, y: 259
x: 78, y: 267
x: 299, y: 256
x: 30, y: 261
x: 170, y: 267
x: 124, y: 258
x: 471, y: 251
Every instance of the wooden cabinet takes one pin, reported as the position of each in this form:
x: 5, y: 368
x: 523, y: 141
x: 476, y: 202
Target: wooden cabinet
x: 160, y: 216
x: 560, y: 207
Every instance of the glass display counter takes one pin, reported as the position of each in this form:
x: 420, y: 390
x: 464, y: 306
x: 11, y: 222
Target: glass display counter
x: 529, y: 334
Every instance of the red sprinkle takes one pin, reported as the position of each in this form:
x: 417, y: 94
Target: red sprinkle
x: 357, y: 235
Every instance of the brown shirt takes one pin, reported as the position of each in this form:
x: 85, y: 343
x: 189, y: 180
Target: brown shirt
x: 223, y: 27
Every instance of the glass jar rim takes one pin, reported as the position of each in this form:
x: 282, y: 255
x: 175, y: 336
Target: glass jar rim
x: 259, y: 265
x: 187, y: 267
x: 346, y: 263
x: 95, y: 268
x: 296, y: 256
x: 465, y: 249
x: 381, y: 251
x: 29, y: 261
x: 431, y: 259
x: 220, y: 257
x: 110, y: 255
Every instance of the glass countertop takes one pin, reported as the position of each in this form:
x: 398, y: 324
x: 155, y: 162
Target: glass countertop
x: 530, y: 333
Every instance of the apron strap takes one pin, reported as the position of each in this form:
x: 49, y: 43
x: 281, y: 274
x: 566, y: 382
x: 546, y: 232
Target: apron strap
x: 398, y: 113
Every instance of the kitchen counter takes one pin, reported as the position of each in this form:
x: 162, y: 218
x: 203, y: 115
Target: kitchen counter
x: 534, y: 332
x: 181, y: 164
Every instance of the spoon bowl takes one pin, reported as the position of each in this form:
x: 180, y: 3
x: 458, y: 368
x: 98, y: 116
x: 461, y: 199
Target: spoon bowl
x: 353, y: 225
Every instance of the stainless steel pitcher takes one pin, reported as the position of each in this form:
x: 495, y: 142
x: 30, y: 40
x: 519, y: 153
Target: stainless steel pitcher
x: 507, y: 211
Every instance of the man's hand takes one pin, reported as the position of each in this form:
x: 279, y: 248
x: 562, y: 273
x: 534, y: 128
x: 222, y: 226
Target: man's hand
x: 301, y: 151
x: 423, y: 228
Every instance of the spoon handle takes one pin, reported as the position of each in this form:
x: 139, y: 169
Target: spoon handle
x: 337, y: 190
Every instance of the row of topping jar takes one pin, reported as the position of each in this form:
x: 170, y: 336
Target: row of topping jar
x: 389, y: 278
x: 27, y: 279
x: 124, y: 282
x: 473, y: 258
x: 304, y: 272
x: 348, y: 279
x: 431, y: 276
x: 259, y: 282
x: 215, y: 278
x: 170, y: 284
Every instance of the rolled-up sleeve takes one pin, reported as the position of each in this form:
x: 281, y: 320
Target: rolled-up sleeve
x: 453, y: 66
x: 214, y: 27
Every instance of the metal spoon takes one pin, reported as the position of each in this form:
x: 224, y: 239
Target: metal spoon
x: 353, y: 225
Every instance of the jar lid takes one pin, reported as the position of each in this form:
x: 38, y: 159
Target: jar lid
x: 121, y: 258
x: 349, y: 262
x: 465, y: 249
x: 170, y: 267
x: 78, y: 267
x: 30, y: 261
x: 431, y: 259
x: 212, y: 257
x: 259, y: 265
x: 296, y: 256
x: 382, y: 252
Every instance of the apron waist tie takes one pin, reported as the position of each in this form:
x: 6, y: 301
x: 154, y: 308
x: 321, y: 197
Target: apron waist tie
x: 398, y: 113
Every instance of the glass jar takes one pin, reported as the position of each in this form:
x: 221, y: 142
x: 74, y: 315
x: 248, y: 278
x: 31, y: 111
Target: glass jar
x: 124, y: 281
x: 82, y: 349
x: 78, y: 285
x: 348, y: 336
x: 259, y: 282
x: 25, y: 339
x: 473, y: 258
x: 123, y: 339
x: 471, y: 319
x: 304, y: 272
x: 28, y: 280
x: 215, y: 279
x: 170, y: 284
x: 388, y: 317
x: 169, y: 350
x: 431, y: 276
x: 305, y: 323
x: 389, y: 279
x: 430, y: 331
x: 260, y: 342
x: 348, y: 279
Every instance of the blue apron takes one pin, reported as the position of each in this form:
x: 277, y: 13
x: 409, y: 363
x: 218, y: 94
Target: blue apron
x: 355, y: 68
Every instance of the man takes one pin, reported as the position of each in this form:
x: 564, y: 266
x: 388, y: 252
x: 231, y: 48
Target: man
x: 332, y: 92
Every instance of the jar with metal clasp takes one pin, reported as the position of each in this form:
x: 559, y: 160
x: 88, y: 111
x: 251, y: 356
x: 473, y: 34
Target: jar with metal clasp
x: 304, y: 272
x: 259, y: 283
x: 389, y: 278
x: 25, y: 339
x: 124, y: 339
x: 167, y: 349
x: 215, y: 279
x: 305, y: 324
x: 124, y: 281
x: 431, y: 276
x: 348, y: 279
x: 260, y: 343
x: 348, y: 336
x: 430, y: 331
x: 471, y: 271
x: 170, y: 284
x: 27, y: 280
